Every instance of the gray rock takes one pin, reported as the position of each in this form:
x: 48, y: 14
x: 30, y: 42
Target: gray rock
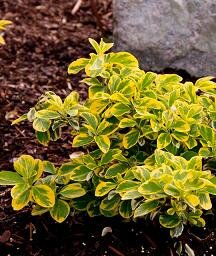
x: 178, y: 34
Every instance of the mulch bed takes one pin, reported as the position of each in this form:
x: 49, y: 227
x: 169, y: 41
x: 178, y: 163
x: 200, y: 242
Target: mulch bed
x: 44, y: 38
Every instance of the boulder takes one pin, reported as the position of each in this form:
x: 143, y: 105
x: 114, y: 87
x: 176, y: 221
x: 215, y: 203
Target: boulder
x: 177, y: 34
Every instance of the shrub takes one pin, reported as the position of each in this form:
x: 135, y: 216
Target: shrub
x: 148, y: 144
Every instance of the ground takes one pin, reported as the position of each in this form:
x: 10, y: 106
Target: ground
x: 44, y: 38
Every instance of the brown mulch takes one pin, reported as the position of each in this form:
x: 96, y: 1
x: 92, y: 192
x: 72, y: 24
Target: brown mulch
x: 45, y: 37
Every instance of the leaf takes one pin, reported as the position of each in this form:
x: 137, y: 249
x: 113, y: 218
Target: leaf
x: 125, y: 209
x: 25, y: 166
x: 81, y: 203
x: 38, y: 210
x: 72, y: 191
x: 93, y: 208
x: 110, y: 204
x: 92, y: 81
x: 104, y: 46
x: 43, y: 195
x: 167, y: 80
x: 49, y: 167
x: 130, y: 195
x: 103, y: 142
x: 41, y: 125
x: 189, y: 154
x: 169, y: 221
x: 180, y: 126
x: 80, y: 173
x: 131, y: 138
x: 177, y: 231
x: 109, y: 213
x: 71, y: 99
x: 43, y: 137
x: 123, y: 59
x: 205, y: 84
x: 127, y: 185
x: 180, y: 136
x: 104, y: 188
x: 20, y: 119
x: 120, y: 109
x: 4, y: 23
x: 164, y: 139
x: 127, y: 122
x: 141, y: 173
x: 195, y: 163
x: 89, y: 161
x: 145, y: 208
x: 172, y: 190
x: 106, y: 128
x: 2, y: 41
x: 113, y: 83
x: 208, y: 134
x: 192, y: 200
x: 205, y: 201
x: 18, y: 189
x: 77, y: 65
x: 95, y: 67
x: 150, y: 187
x: 98, y: 105
x: 22, y: 200
x: 82, y: 139
x: 31, y: 114
x: 91, y: 120
x: 146, y: 80
x: 47, y: 114
x: 116, y: 169
x: 191, y: 142
x: 60, y: 211
x: 151, y: 103
x: 95, y: 45
x: 67, y: 168
x: 109, y: 156
x: 205, y: 152
x: 173, y: 96
x: 10, y: 178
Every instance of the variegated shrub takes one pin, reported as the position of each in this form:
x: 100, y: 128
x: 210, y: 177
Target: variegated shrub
x: 144, y: 136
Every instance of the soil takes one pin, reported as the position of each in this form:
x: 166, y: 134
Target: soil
x: 45, y: 37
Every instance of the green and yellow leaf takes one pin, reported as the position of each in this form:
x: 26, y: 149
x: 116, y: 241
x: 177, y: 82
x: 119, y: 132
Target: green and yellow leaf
x: 104, y: 188
x: 72, y: 191
x: 125, y: 209
x: 145, y: 208
x: 131, y: 138
x: 164, y: 139
x: 169, y: 221
x: 43, y: 195
x: 82, y: 139
x: 41, y: 125
x: 77, y: 65
x: 10, y: 178
x: 103, y: 142
x: 60, y: 211
x: 116, y: 169
x: 21, y: 200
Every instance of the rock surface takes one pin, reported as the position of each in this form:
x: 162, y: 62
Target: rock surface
x: 178, y: 34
